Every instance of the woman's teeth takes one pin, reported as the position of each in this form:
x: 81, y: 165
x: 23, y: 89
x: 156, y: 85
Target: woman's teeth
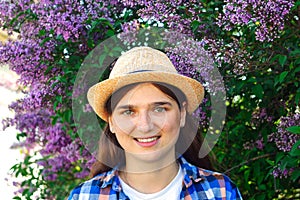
x: 146, y: 139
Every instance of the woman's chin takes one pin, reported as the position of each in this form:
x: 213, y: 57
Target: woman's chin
x: 150, y: 161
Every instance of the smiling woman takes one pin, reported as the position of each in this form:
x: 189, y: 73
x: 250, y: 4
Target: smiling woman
x: 147, y: 122
x: 150, y: 147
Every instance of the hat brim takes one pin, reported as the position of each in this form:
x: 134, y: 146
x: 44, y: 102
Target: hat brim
x: 99, y: 93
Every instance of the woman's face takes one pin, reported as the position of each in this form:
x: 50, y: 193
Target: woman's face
x: 147, y: 122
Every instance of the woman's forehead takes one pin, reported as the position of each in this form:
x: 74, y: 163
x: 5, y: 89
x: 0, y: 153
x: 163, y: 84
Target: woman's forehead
x: 145, y: 92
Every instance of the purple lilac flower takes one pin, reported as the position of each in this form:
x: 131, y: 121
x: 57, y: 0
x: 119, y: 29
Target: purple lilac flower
x: 190, y: 59
x: 259, y: 144
x: 260, y: 116
x: 231, y: 53
x: 165, y: 12
x: 201, y: 115
x: 284, y: 139
x: 130, y: 31
x: 268, y: 17
x: 67, y: 18
x: 282, y: 173
x: 82, y: 174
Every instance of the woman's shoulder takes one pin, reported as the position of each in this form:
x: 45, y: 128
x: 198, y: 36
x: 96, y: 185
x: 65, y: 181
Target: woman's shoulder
x: 90, y: 188
x: 205, y: 181
x: 215, y: 178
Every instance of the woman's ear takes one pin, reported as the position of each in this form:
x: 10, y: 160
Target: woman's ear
x: 183, y: 114
x: 110, y: 124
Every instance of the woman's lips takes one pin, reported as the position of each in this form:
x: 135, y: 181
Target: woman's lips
x: 147, y: 142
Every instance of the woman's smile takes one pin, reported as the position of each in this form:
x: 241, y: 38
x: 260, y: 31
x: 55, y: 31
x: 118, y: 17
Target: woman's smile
x: 147, y: 142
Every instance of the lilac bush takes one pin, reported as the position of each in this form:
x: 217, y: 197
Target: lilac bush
x: 42, y: 28
x: 266, y: 16
x: 253, y: 44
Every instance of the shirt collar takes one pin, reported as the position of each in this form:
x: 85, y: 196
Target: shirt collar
x: 191, y: 175
x: 110, y: 178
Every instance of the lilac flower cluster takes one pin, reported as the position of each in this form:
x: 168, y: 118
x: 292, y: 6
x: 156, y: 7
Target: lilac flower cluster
x: 284, y: 139
x: 268, y: 17
x: 260, y: 116
x: 202, y: 115
x: 23, y: 54
x: 8, y: 11
x: 230, y: 53
x: 62, y: 17
x: 169, y: 12
x: 130, y: 31
x: 282, y: 173
x: 68, y: 18
x: 259, y: 144
x: 190, y: 59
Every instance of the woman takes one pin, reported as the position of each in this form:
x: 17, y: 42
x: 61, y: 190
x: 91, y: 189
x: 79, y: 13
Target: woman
x: 149, y: 149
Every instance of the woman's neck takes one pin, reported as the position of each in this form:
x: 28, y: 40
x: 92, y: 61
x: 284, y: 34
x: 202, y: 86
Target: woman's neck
x: 151, y: 181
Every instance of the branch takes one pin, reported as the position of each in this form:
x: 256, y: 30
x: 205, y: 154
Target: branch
x: 251, y: 160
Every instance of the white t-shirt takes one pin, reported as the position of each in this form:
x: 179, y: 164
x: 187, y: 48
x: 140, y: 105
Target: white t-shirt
x: 170, y: 192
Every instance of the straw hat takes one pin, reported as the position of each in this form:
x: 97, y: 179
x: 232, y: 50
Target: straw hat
x: 143, y: 64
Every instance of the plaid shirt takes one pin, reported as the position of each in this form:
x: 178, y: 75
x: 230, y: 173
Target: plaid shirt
x: 197, y: 184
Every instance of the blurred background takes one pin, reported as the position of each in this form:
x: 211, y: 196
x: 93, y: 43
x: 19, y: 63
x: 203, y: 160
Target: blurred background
x: 9, y: 156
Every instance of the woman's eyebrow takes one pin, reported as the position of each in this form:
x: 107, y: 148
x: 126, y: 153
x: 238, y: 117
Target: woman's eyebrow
x: 162, y: 103
x: 129, y: 106
x: 125, y: 107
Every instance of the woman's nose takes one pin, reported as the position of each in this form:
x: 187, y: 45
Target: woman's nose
x: 144, y: 122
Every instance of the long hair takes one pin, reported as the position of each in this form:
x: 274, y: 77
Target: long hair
x: 110, y: 152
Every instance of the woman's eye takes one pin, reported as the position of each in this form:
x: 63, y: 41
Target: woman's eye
x: 127, y: 112
x: 159, y: 109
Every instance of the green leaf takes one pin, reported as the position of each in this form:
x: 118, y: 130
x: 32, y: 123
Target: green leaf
x: 262, y: 187
x: 282, y: 59
x: 295, y: 151
x: 282, y: 76
x: 279, y: 156
x: 54, y: 120
x: 260, y: 197
x: 295, y: 175
x: 42, y: 32
x: 246, y: 175
x: 110, y: 33
x: 101, y: 59
x: 258, y: 91
x: 270, y: 162
x: 47, y: 39
x: 294, y: 129
x: 21, y: 135
x: 297, y: 70
x: 195, y: 24
x: 117, y: 49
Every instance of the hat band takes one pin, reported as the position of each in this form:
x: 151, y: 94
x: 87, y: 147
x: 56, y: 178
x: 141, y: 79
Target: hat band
x: 144, y: 70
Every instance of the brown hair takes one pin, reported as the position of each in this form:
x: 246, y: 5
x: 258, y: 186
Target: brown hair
x: 190, y: 140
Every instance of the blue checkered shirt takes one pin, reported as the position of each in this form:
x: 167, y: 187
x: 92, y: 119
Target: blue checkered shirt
x: 197, y: 184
